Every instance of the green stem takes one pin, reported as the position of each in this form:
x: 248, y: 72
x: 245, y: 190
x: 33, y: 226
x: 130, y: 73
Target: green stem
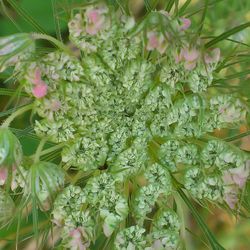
x: 237, y: 137
x: 39, y: 150
x: 51, y: 149
x: 53, y: 40
x: 20, y: 111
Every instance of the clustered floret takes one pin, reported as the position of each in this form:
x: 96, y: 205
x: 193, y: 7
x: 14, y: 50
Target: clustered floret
x: 130, y: 110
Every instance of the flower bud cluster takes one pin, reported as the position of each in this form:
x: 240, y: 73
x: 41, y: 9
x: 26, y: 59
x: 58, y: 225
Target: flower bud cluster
x: 134, y: 103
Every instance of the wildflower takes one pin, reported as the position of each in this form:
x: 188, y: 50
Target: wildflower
x: 156, y: 41
x: 126, y: 120
x: 165, y: 231
x: 190, y: 57
x: 95, y: 19
x: 130, y: 238
x: 212, y: 56
x: 185, y: 23
x: 77, y: 238
x: 3, y: 175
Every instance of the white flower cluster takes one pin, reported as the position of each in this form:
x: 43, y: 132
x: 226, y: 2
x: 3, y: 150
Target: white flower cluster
x: 133, y: 104
x: 164, y: 234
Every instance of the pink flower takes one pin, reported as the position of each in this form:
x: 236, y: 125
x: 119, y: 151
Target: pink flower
x: 212, y: 56
x: 156, y: 41
x: 237, y: 176
x: 185, y: 23
x: 189, y: 56
x: 240, y: 175
x: 40, y: 90
x: 95, y: 20
x: 3, y: 175
x: 231, y: 197
x: 38, y: 77
x: 153, y: 41
x: 76, y: 242
x: 234, y: 180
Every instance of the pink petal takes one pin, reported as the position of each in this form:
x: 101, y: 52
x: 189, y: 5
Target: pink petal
x: 93, y: 15
x: 213, y: 56
x: 189, y: 65
x: 92, y: 29
x: 227, y: 178
x: 240, y: 175
x: 178, y: 57
x: 185, y: 23
x: 40, y: 90
x: 190, y: 55
x: 75, y: 234
x: 153, y: 41
x: 37, y: 78
x: 3, y: 175
x: 77, y: 239
x: 231, y: 198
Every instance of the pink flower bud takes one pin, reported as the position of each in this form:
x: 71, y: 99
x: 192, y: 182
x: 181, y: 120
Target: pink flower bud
x: 40, y: 90
x: 76, y: 242
x: 190, y: 55
x: 38, y: 77
x: 156, y: 41
x: 153, y: 41
x: 185, y: 23
x: 189, y: 65
x: 212, y: 56
x: 240, y: 175
x: 231, y: 198
x: 3, y: 175
x: 93, y: 16
x: 95, y: 20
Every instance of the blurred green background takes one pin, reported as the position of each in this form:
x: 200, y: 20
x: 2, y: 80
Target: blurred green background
x: 221, y: 15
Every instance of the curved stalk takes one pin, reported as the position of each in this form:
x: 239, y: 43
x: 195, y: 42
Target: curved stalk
x: 20, y: 111
x: 39, y: 150
x: 53, y: 40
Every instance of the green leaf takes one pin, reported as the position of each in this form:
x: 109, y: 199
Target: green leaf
x: 169, y: 5
x: 211, y: 4
x: 27, y: 17
x: 238, y: 75
x: 10, y: 111
x: 209, y: 235
x: 203, y: 17
x: 11, y: 92
x: 227, y: 34
x: 183, y: 7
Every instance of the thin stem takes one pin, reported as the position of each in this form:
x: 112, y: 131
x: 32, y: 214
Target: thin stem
x: 20, y: 111
x: 51, y: 149
x: 56, y: 42
x: 237, y: 137
x: 39, y: 150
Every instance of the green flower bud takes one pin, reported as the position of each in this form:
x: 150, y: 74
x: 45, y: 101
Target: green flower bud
x: 10, y: 149
x: 45, y: 179
x: 131, y: 238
